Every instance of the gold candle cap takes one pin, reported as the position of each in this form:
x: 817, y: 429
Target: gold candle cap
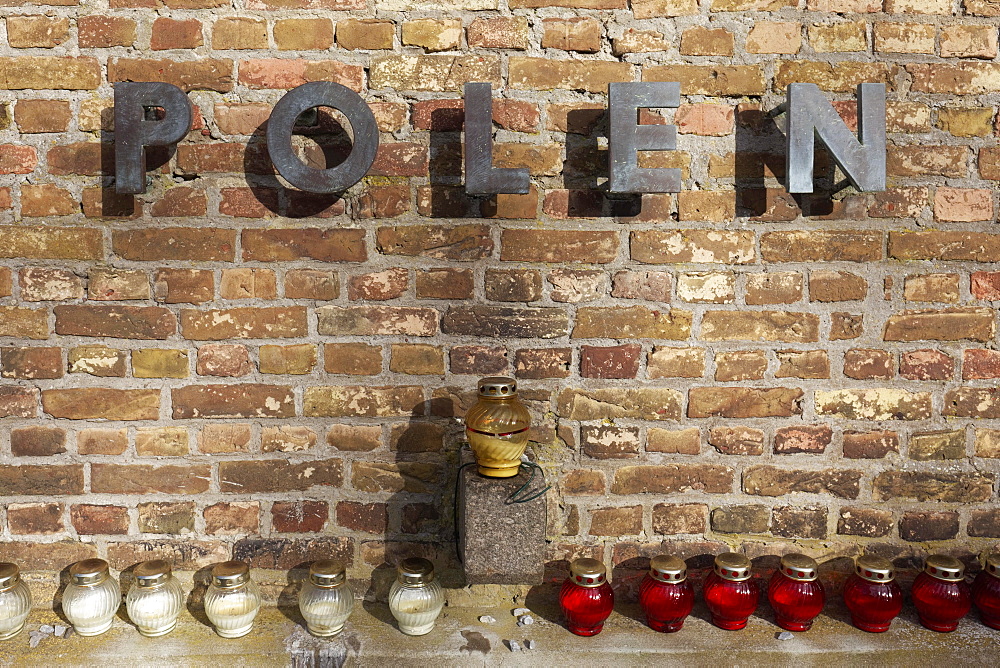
x: 732, y: 566
x: 10, y: 575
x: 874, y: 569
x: 497, y: 386
x: 992, y: 564
x: 799, y: 567
x: 152, y: 573
x: 667, y: 568
x: 89, y: 572
x: 415, y: 572
x: 327, y: 573
x: 588, y: 572
x: 944, y: 568
x: 229, y: 574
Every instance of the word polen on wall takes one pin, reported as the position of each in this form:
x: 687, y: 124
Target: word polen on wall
x: 810, y: 116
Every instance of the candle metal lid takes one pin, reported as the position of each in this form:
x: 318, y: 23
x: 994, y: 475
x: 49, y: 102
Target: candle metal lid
x: 992, y: 565
x: 152, y: 573
x: 229, y: 574
x: 732, y: 566
x: 667, y: 568
x: 497, y: 386
x: 944, y: 568
x: 89, y: 572
x: 327, y: 573
x: 874, y: 569
x: 10, y: 575
x: 588, y: 572
x: 415, y: 572
x: 799, y: 567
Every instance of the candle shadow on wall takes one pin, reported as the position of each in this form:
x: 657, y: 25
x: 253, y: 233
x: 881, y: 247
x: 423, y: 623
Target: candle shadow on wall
x: 288, y: 597
x: 64, y: 580
x: 323, y: 142
x: 195, y: 601
x: 418, y: 470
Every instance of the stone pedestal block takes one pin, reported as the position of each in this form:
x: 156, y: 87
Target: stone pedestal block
x: 501, y: 543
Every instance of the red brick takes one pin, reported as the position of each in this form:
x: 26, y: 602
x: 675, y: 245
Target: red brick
x: 31, y: 363
x: 384, y: 202
x: 101, y: 32
x: 170, y: 33
x: 175, y: 243
x: 389, y: 284
x: 252, y: 477
x: 39, y: 284
x: 238, y: 400
x: 233, y: 518
x: 985, y: 285
x: 37, y: 441
x: 285, y: 74
x: 610, y: 362
x: 18, y: 401
x: 367, y: 517
x: 804, y: 438
x: 91, y: 520
x: 35, y: 518
x: 299, y: 516
x: 502, y: 32
x: 136, y: 479
x: 17, y: 159
x: 124, y: 322
x: 244, y: 323
x: 329, y: 245
x: 868, y: 364
x: 204, y: 73
x: 184, y: 286
x: 42, y: 115
x: 926, y: 365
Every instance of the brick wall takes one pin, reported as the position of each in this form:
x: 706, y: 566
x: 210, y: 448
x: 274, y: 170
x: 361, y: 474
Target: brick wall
x: 223, y: 365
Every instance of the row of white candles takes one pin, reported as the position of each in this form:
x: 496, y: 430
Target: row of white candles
x: 232, y: 600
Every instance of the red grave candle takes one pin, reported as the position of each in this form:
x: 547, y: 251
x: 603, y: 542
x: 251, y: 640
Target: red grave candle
x: 586, y: 597
x: 872, y: 594
x: 665, y: 594
x: 730, y: 594
x: 986, y: 592
x: 940, y: 594
x: 795, y: 592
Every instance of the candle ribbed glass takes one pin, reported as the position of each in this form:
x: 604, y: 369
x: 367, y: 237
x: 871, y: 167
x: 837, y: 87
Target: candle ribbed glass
x: 92, y: 597
x: 232, y: 600
x: 15, y: 601
x: 416, y: 608
x: 155, y: 609
x: 325, y: 600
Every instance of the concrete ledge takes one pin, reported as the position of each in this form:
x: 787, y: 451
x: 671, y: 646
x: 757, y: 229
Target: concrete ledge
x: 459, y: 639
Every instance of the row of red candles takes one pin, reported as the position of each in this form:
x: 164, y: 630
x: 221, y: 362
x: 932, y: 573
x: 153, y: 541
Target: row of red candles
x: 874, y: 598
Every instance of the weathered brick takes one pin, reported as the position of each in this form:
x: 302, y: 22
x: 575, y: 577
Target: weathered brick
x: 434, y: 73
x: 932, y: 486
x: 774, y: 481
x: 50, y: 243
x: 803, y: 438
x: 93, y: 520
x: 299, y: 516
x: 50, y: 73
x: 972, y: 402
x: 610, y: 403
x: 513, y: 285
x: 681, y: 518
x: 953, y: 324
x: 870, y: 445
x: 148, y: 479
x: 702, y: 246
x: 18, y: 401
x: 219, y: 438
x: 535, y: 363
x: 442, y: 34
x: 924, y: 525
x: 305, y: 34
x: 235, y: 517
x: 239, y: 32
x: 858, y: 521
x: 175, y: 243
x: 224, y: 359
x: 353, y: 34
x: 461, y: 242
x: 37, y: 441
x: 631, y: 322
x: 737, y: 440
x: 712, y: 80
x: 246, y: 283
x: 260, y: 476
x: 285, y: 554
x: 117, y: 285
x: 802, y: 364
x: 701, y: 41
x: 926, y: 365
x: 672, y: 479
x: 874, y: 404
x: 284, y: 73
x: 352, y: 359
x: 35, y: 518
x: 244, y: 323
x: 492, y: 321
x: 344, y: 401
x: 787, y: 326
x: 377, y: 320
x: 184, y: 286
x: 93, y: 403
x: 203, y: 74
x: 286, y: 438
x: 984, y: 523
x: 412, y: 477
x: 367, y: 517
x: 821, y: 246
x: 416, y: 359
x: 610, y: 362
x: 33, y: 116
x: 937, y: 445
x: 159, y: 363
x: 126, y: 322
x: 740, y: 365
x: 742, y: 402
x: 238, y: 400
x: 186, y: 554
x: 944, y: 245
x: 543, y: 74
x: 676, y: 363
x: 166, y: 517
x: 354, y: 438
x: 866, y: 364
x: 98, y: 361
x: 501, y: 32
x: 682, y: 442
x: 965, y: 78
x: 741, y: 519
x: 170, y: 33
x: 31, y: 363
x: 602, y: 442
x: 101, y: 441
x: 836, y: 286
x: 99, y: 31
x: 24, y: 322
x: 616, y: 521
